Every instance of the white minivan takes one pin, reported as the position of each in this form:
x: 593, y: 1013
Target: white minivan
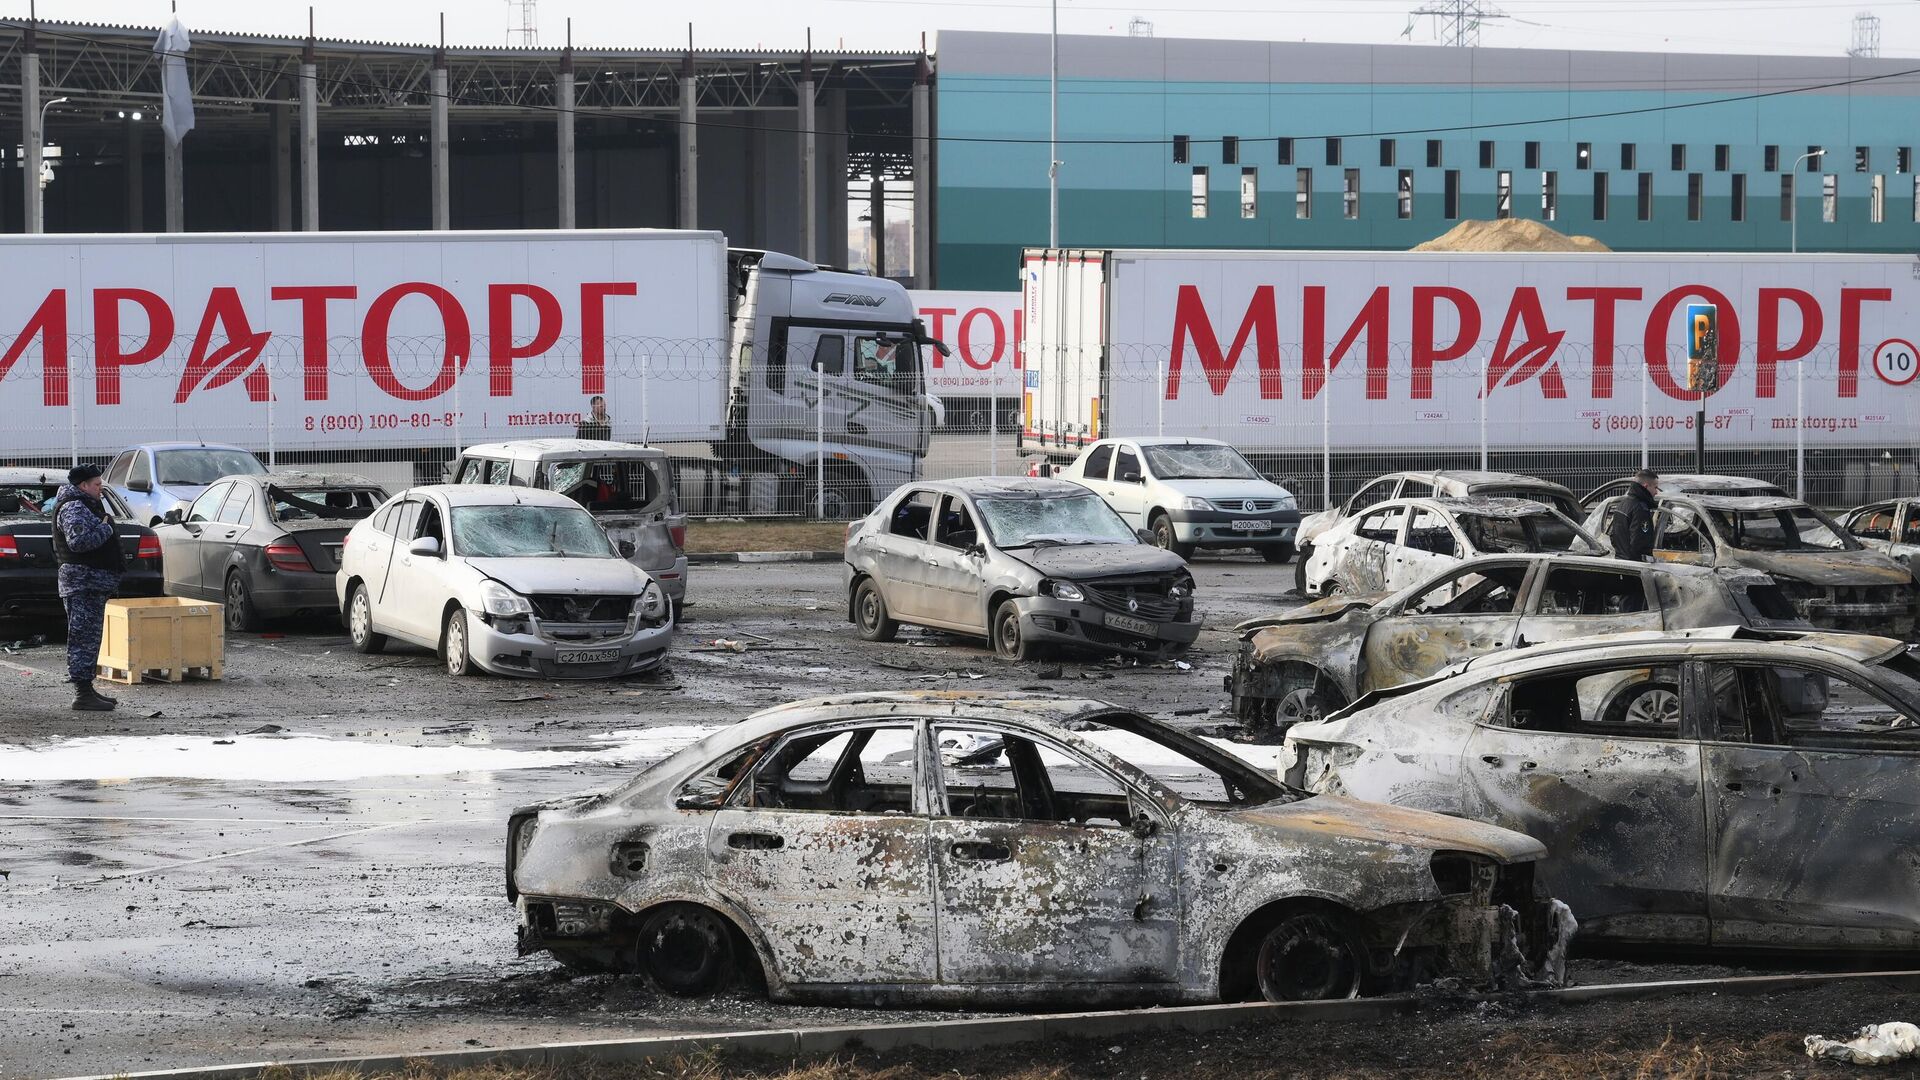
x: 1189, y: 493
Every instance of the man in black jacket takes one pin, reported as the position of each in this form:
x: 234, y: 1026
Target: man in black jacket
x: 1629, y: 525
x: 90, y: 567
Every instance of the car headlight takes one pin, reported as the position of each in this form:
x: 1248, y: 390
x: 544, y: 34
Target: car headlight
x: 1181, y: 589
x: 1067, y: 590
x: 653, y: 608
x: 1287, y: 502
x: 1194, y: 502
x: 502, y: 602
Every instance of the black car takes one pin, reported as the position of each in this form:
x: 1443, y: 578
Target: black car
x: 29, y: 574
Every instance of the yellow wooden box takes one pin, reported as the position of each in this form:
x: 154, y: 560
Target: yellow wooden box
x: 162, y: 637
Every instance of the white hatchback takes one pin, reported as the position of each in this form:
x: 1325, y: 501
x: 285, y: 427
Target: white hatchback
x: 509, y: 580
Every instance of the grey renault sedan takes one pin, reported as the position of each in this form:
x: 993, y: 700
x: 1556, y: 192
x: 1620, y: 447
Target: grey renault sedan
x: 1024, y: 562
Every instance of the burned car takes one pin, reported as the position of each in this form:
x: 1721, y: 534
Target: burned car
x: 956, y: 848
x: 1688, y: 484
x: 1891, y: 527
x: 29, y: 572
x: 1833, y: 580
x: 1026, y: 563
x: 1305, y: 663
x: 1394, y: 544
x: 1725, y: 786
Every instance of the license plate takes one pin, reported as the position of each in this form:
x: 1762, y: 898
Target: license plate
x: 588, y: 656
x: 1253, y: 525
x: 1131, y: 625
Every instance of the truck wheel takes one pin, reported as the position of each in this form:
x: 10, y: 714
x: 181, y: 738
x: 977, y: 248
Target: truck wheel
x: 360, y: 623
x: 846, y: 497
x: 1277, y: 553
x: 1165, y: 537
x: 870, y: 613
x: 1008, y: 641
x: 1300, y: 569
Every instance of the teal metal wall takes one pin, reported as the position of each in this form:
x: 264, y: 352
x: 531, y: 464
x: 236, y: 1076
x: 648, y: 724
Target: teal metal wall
x: 1138, y: 94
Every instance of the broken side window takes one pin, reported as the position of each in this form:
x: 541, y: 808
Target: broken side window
x: 473, y: 472
x: 1910, y: 526
x: 1873, y: 523
x: 1381, y: 527
x: 1679, y: 530
x: 861, y: 770
x: 1492, y: 590
x: 1429, y: 533
x: 1811, y: 707
x: 709, y: 790
x: 913, y: 517
x: 991, y: 774
x: 956, y: 528
x: 611, y: 485
x: 1629, y: 701
x: 1571, y: 591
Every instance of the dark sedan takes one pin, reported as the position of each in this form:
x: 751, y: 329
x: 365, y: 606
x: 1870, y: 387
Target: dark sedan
x: 29, y: 575
x: 265, y: 546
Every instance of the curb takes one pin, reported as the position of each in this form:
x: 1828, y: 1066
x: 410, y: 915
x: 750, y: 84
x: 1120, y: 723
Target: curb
x: 764, y: 557
x: 973, y: 1034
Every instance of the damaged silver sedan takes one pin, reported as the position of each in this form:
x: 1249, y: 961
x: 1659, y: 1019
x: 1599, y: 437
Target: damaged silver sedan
x: 965, y: 848
x: 1721, y: 787
x: 1305, y: 663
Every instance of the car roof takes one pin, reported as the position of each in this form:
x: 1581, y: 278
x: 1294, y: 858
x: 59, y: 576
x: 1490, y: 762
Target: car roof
x: 1705, y: 483
x: 292, y: 478
x: 1167, y: 440
x: 24, y: 474
x: 1493, y: 505
x: 1679, y: 644
x: 1585, y: 562
x: 490, y: 495
x: 562, y: 448
x: 1004, y: 487
x: 1734, y: 502
x: 188, y: 446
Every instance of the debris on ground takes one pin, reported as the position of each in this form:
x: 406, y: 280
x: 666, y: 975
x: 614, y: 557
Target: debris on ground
x: 525, y: 697
x: 462, y: 728
x: 1874, y: 1044
x: 721, y: 644
x: 265, y: 729
x: 952, y: 675
x: 33, y: 642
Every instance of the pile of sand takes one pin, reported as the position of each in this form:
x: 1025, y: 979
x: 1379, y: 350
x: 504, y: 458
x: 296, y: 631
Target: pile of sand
x: 1512, y: 234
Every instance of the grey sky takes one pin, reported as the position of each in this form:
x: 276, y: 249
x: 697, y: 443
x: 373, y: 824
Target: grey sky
x: 1818, y: 27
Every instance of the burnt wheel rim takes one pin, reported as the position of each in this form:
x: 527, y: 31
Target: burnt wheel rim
x: 685, y: 950
x: 1306, y: 958
x: 1163, y: 534
x: 1299, y: 706
x: 1655, y: 705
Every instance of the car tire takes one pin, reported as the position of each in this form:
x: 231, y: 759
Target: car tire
x: 1305, y: 704
x: 360, y: 623
x: 685, y: 949
x: 1649, y: 702
x: 1165, y: 537
x: 242, y: 616
x: 679, y: 612
x: 1009, y: 643
x: 870, y: 613
x: 1277, y: 553
x: 1300, y: 568
x: 454, y: 651
x: 1308, y: 956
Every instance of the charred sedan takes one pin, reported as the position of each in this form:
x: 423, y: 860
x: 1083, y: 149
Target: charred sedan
x: 1026, y: 563
x: 1394, y: 544
x: 959, y: 848
x: 1722, y: 787
x: 29, y: 573
x: 1307, y: 662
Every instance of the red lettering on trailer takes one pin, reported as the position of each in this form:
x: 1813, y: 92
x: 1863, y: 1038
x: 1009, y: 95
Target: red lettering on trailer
x: 48, y: 323
x: 374, y: 345
x: 1426, y: 351
x: 1261, y: 322
x: 1372, y: 319
x: 1850, y: 301
x: 966, y: 339
x: 1605, y: 300
x: 593, y: 330
x: 1768, y: 352
x: 314, y: 350
x: 1533, y: 357
x: 1659, y: 333
x: 238, y: 357
x: 109, y: 352
x: 501, y: 351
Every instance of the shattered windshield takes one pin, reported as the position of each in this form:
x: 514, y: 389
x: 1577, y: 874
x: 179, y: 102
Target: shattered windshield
x: 1195, y: 770
x: 197, y: 468
x: 1199, y: 462
x: 1074, y: 519
x: 311, y: 504
x: 521, y: 532
x: 1525, y: 533
x: 1788, y: 529
x: 605, y: 486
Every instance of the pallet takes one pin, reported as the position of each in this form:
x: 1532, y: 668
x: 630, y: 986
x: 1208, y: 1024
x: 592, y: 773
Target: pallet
x: 162, y: 638
x: 210, y: 672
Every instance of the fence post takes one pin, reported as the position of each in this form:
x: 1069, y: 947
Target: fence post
x: 646, y: 425
x: 1326, y: 444
x: 1484, y: 391
x: 993, y: 435
x: 820, y: 442
x: 1645, y: 420
x: 1159, y: 396
x: 1800, y: 430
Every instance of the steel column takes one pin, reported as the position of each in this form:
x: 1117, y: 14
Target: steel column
x: 282, y: 167
x: 689, y: 150
x: 32, y: 138
x: 809, y: 170
x: 437, y: 150
x: 134, y: 155
x: 563, y: 99
x: 922, y: 182
x: 309, y: 147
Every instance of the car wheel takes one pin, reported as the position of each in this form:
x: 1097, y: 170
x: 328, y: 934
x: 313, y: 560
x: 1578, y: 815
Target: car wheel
x: 1332, y: 587
x: 360, y: 623
x: 1277, y: 553
x: 453, y: 645
x: 1165, y: 537
x: 686, y: 949
x: 1644, y: 703
x: 1305, y: 704
x: 1300, y: 569
x: 870, y: 613
x: 242, y: 616
x: 1308, y: 957
x: 1008, y: 641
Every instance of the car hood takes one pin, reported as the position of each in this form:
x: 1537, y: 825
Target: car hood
x: 1325, y: 609
x: 1350, y: 819
x: 1079, y: 561
x: 580, y: 577
x: 1864, y: 567
x: 1316, y: 523
x: 1229, y: 489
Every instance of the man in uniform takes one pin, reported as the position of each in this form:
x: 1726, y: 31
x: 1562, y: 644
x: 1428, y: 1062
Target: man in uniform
x: 90, y: 566
x: 1629, y: 524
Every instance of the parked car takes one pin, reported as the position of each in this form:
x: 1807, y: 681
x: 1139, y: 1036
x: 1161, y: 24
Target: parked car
x: 1687, y: 484
x: 967, y: 847
x: 29, y: 574
x: 1832, y: 579
x: 158, y: 477
x: 628, y: 488
x: 1890, y: 527
x: 502, y: 579
x: 1025, y: 563
x: 1305, y: 663
x: 265, y: 546
x: 1446, y: 484
x: 1189, y: 493
x: 1718, y: 786
x: 1397, y: 543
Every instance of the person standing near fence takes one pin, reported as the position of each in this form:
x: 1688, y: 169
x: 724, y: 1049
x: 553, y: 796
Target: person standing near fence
x: 596, y: 424
x: 1629, y: 525
x: 90, y: 567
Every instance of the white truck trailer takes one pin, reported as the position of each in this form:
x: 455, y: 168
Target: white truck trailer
x: 762, y: 372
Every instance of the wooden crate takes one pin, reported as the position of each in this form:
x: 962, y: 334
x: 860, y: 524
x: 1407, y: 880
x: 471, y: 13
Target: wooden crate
x: 166, y: 638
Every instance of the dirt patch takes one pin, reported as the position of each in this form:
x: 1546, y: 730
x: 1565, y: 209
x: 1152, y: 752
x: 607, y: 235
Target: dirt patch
x: 1509, y: 234
x: 704, y: 537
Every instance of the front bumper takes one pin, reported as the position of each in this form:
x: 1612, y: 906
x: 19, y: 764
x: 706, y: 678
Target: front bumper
x: 1215, y: 528
x: 1501, y: 934
x: 532, y: 655
x: 1084, y: 624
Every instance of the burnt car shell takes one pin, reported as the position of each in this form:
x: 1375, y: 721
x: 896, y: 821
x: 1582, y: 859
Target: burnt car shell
x: 29, y: 572
x: 1168, y: 907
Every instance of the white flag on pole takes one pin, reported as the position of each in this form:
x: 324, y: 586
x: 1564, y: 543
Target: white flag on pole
x: 176, y: 113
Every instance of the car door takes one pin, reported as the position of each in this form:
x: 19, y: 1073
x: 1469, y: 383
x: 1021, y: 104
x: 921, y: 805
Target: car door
x: 385, y: 566
x: 1876, y: 526
x: 821, y: 386
x: 140, y: 481
x: 180, y: 544
x: 1428, y: 547
x: 1680, y: 536
x: 1580, y: 601
x: 1038, y: 877
x: 369, y: 555
x: 418, y: 588
x: 904, y: 556
x: 1128, y: 497
x: 1379, y: 491
x: 1813, y: 814
x: 1361, y: 566
x: 952, y: 574
x: 825, y: 849
x: 1601, y: 764
x: 219, y: 539
x: 1092, y: 469
x: 1605, y: 492
x: 1907, y: 547
x: 1460, y: 615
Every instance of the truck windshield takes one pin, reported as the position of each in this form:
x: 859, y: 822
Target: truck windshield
x: 527, y: 532
x: 197, y: 468
x: 606, y: 485
x: 1199, y: 462
x: 1075, y: 519
x: 1785, y: 529
x: 890, y: 362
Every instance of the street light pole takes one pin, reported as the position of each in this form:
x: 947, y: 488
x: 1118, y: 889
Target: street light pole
x: 1793, y: 211
x: 1800, y: 366
x: 35, y: 154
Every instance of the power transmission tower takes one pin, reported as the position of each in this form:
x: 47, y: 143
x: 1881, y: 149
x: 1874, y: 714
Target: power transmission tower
x: 1456, y: 22
x: 523, y: 27
x: 1866, y: 35
x: 1139, y: 27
